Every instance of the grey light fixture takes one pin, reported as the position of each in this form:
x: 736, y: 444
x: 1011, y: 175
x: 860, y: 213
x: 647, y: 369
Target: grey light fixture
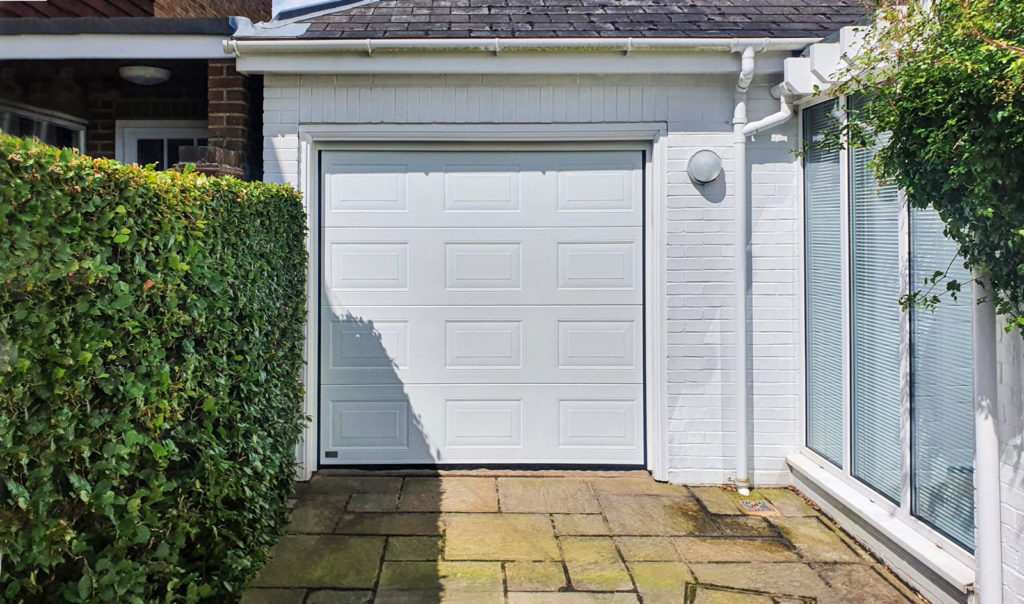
x: 144, y: 75
x: 704, y: 167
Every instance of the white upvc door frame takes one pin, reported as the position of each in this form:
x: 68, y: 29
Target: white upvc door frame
x: 128, y: 132
x: 650, y: 137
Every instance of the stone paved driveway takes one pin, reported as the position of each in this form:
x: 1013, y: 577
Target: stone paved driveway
x: 559, y: 537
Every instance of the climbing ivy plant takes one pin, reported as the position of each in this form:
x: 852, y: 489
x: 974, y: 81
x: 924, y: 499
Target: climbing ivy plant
x: 946, y: 79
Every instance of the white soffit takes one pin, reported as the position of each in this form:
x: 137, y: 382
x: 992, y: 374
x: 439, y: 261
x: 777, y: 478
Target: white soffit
x: 112, y: 46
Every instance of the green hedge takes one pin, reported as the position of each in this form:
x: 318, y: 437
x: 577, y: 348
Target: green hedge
x: 150, y: 356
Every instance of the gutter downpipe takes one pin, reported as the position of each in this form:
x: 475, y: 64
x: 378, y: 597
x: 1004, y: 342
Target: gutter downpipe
x: 988, y: 580
x: 741, y: 244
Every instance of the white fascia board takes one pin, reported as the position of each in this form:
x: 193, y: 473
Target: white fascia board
x: 582, y: 63
x: 112, y: 46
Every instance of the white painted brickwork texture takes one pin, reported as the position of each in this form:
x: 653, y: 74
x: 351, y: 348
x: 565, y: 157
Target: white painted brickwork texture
x: 700, y: 235
x: 1011, y: 436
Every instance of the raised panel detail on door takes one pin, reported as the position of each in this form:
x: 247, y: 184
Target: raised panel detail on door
x: 597, y: 344
x: 359, y: 344
x: 490, y: 423
x: 481, y: 188
x: 597, y: 265
x: 373, y: 424
x: 481, y: 307
x: 367, y: 187
x: 368, y: 265
x: 481, y: 265
x: 483, y: 344
x: 598, y: 423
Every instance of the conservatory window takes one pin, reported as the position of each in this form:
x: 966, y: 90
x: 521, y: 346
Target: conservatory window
x: 888, y: 393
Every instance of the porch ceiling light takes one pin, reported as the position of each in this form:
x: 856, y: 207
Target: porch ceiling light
x: 144, y: 75
x: 704, y: 167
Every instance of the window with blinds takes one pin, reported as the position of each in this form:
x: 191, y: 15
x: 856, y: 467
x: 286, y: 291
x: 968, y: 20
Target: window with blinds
x: 942, y: 388
x: 823, y: 284
x: 869, y: 389
x: 875, y: 327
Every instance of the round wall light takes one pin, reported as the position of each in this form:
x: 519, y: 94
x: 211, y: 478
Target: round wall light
x: 704, y: 167
x: 144, y: 75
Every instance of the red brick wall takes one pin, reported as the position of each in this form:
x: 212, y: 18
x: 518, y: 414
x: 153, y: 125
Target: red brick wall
x: 257, y: 10
x: 228, y: 107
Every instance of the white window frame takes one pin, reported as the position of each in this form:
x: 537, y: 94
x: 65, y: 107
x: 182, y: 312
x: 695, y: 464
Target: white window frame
x: 902, y: 512
x: 52, y: 117
x: 128, y: 132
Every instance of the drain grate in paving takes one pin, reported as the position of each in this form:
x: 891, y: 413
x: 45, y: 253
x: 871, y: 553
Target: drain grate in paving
x: 756, y: 507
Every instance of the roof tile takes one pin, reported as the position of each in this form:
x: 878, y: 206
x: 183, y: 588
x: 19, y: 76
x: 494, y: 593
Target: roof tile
x: 585, y: 18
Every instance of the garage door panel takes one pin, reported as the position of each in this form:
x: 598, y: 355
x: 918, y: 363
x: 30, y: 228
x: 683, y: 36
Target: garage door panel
x: 482, y: 266
x: 481, y: 307
x: 482, y: 344
x: 402, y: 189
x: 494, y: 423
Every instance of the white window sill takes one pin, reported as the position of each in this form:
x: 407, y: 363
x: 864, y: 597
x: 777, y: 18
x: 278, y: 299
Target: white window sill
x: 899, y: 541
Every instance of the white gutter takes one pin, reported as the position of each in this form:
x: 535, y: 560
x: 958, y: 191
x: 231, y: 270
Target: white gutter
x: 988, y: 553
x: 741, y: 243
x: 243, y: 46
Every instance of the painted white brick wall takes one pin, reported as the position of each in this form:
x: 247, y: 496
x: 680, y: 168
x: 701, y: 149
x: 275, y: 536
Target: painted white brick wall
x: 1010, y: 415
x: 696, y: 110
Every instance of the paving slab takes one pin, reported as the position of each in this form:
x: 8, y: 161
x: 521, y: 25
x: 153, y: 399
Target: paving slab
x: 273, y: 596
x: 449, y: 494
x: 655, y: 515
x: 635, y: 484
x: 323, y: 561
x: 594, y: 564
x: 414, y: 548
x: 710, y: 594
x: 719, y: 500
x: 334, y: 596
x: 745, y: 526
x: 447, y: 597
x: 571, y: 598
x: 535, y: 576
x: 500, y: 537
x: 442, y: 577
x: 346, y: 485
x: 859, y: 583
x: 647, y: 549
x: 777, y: 578
x: 815, y: 540
x: 389, y: 524
x: 788, y: 503
x: 373, y: 502
x: 547, y: 495
x: 317, y: 514
x: 703, y: 549
x: 661, y: 582
x: 579, y: 524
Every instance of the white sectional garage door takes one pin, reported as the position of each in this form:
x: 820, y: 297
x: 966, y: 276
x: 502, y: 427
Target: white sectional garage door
x: 481, y: 307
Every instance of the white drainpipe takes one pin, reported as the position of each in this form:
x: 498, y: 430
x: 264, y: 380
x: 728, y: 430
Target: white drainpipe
x: 988, y: 540
x: 783, y: 115
x: 741, y: 243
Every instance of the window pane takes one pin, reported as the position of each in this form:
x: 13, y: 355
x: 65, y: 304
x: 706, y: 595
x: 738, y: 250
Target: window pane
x: 875, y: 327
x: 824, y: 286
x: 173, y: 148
x: 942, y: 389
x: 149, y: 151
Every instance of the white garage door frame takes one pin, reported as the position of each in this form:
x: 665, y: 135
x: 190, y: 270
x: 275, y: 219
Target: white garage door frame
x: 647, y: 137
